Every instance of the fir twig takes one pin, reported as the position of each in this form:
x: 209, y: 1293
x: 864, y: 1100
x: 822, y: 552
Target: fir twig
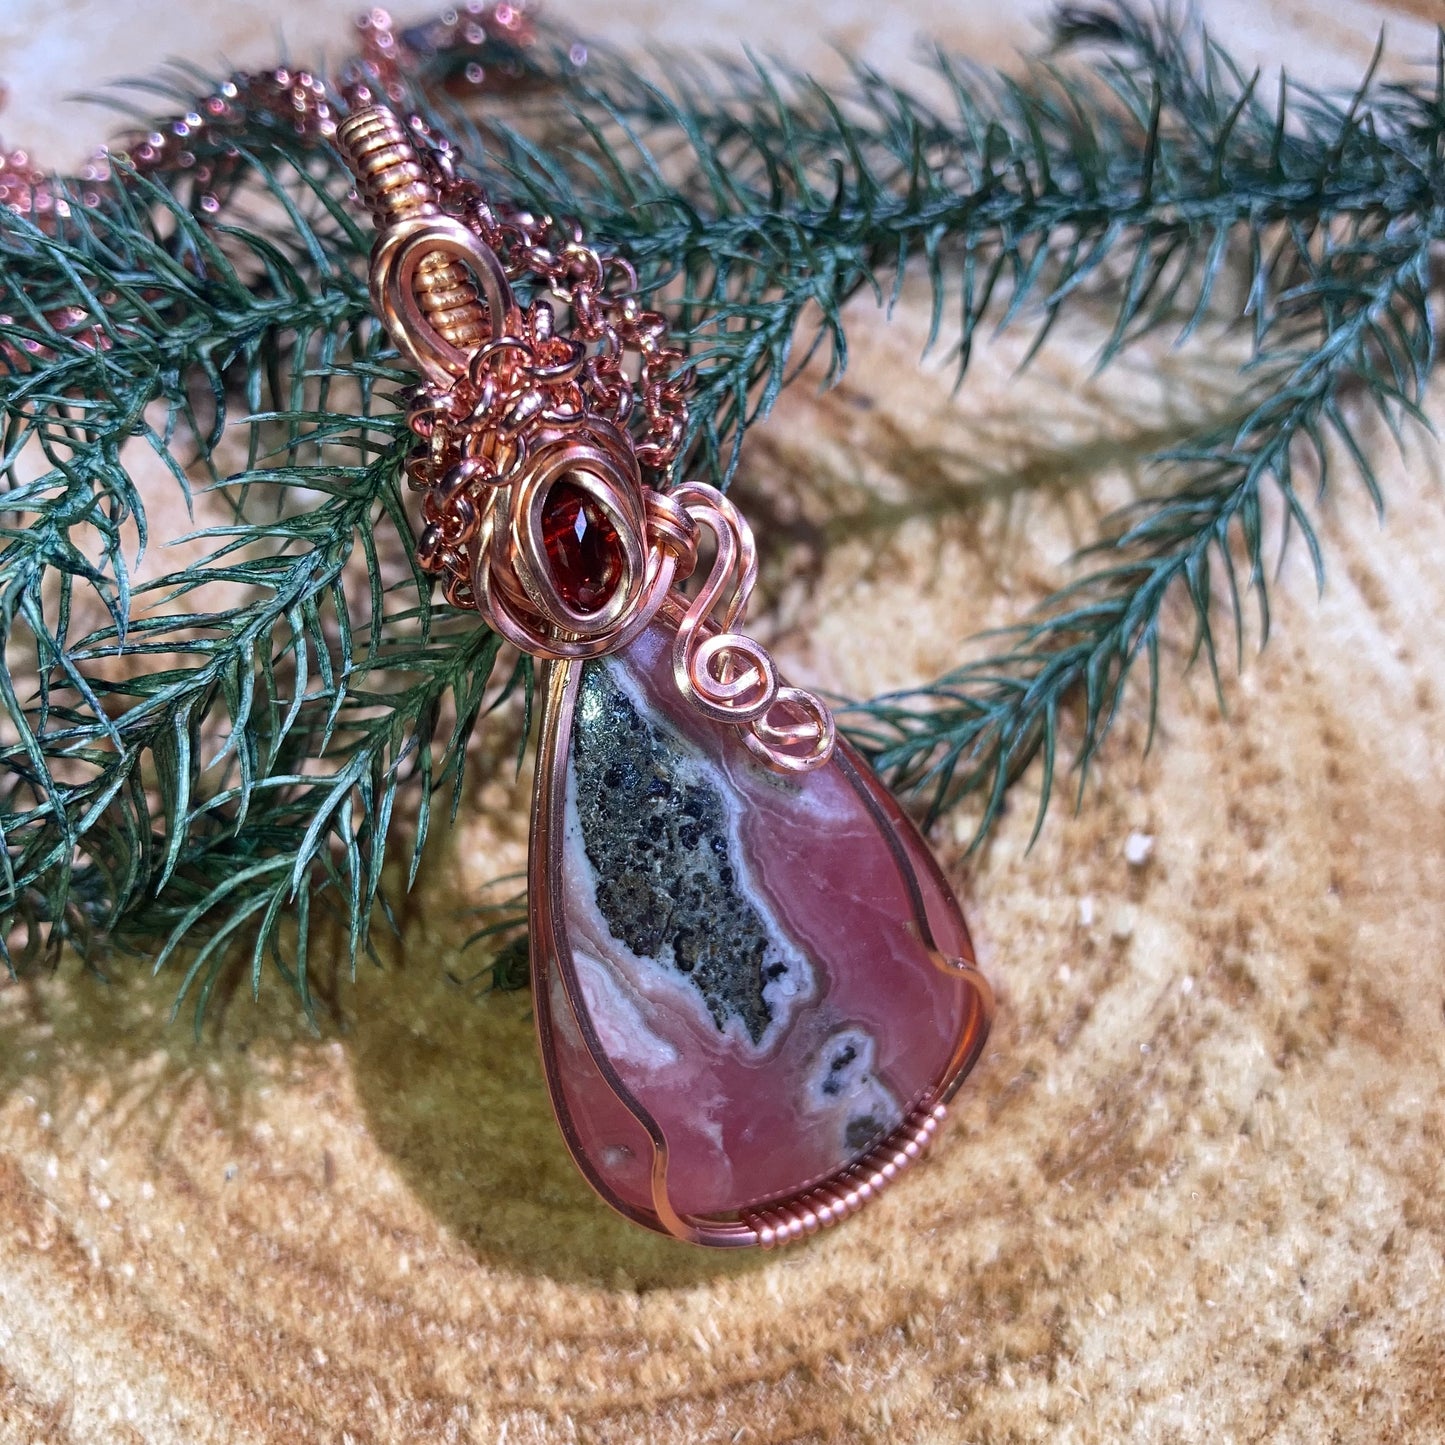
x: 219, y: 754
x: 1339, y: 295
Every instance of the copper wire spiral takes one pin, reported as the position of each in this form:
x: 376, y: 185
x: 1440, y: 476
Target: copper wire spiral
x: 509, y: 408
x: 395, y: 186
x: 729, y: 676
x: 831, y: 1203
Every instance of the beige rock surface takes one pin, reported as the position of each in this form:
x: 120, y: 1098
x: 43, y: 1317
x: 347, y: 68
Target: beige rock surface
x: 1196, y: 1191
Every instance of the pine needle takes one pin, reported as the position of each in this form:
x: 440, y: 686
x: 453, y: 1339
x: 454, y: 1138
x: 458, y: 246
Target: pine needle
x: 215, y: 760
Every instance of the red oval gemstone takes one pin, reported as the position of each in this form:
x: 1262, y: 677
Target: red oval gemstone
x: 582, y: 546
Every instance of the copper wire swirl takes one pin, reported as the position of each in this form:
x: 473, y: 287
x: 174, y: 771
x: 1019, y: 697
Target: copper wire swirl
x: 729, y: 676
x: 509, y: 409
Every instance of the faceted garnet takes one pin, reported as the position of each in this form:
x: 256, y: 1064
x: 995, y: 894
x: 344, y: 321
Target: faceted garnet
x: 582, y: 546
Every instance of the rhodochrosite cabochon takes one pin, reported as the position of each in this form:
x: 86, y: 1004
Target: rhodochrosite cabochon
x: 753, y: 989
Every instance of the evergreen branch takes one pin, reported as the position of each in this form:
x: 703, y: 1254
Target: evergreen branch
x: 107, y: 807
x: 218, y: 754
x: 768, y: 200
x: 977, y: 729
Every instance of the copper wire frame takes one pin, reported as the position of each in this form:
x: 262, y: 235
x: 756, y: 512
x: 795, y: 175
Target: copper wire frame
x: 816, y: 1206
x: 534, y: 427
x: 512, y: 575
x: 549, y: 434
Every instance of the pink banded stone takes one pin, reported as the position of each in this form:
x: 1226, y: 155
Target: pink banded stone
x: 732, y: 962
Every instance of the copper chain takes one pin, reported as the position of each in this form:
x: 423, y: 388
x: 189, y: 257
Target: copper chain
x: 506, y: 406
x: 607, y: 323
x: 598, y: 289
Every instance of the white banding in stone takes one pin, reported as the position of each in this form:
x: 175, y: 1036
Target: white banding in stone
x: 643, y: 982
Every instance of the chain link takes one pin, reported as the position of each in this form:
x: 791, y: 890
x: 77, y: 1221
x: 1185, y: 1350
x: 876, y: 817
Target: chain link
x: 604, y: 313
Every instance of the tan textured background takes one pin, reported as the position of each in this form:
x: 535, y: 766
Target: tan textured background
x: 1195, y: 1190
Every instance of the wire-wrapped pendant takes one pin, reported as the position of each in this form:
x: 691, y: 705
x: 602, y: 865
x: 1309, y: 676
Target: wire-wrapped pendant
x: 755, y: 992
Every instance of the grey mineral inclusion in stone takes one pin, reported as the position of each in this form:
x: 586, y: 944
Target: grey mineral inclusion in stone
x: 656, y: 834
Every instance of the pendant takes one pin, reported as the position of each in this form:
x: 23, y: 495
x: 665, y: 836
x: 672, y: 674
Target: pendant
x: 755, y: 993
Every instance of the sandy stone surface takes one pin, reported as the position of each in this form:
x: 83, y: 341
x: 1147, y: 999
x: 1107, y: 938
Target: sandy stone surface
x: 1196, y: 1190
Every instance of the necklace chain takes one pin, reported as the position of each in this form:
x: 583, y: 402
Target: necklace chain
x: 507, y: 407
x: 599, y: 289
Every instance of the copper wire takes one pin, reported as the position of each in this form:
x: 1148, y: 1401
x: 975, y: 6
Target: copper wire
x: 510, y: 408
x: 846, y: 1193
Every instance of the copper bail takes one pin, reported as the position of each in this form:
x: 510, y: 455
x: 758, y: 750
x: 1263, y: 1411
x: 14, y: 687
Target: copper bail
x: 394, y: 184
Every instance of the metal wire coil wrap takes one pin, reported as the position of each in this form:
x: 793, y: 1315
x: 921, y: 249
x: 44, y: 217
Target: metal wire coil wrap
x: 395, y: 186
x: 508, y: 409
x: 831, y: 1203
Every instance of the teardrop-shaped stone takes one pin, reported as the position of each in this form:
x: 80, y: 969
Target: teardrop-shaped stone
x: 744, y: 980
